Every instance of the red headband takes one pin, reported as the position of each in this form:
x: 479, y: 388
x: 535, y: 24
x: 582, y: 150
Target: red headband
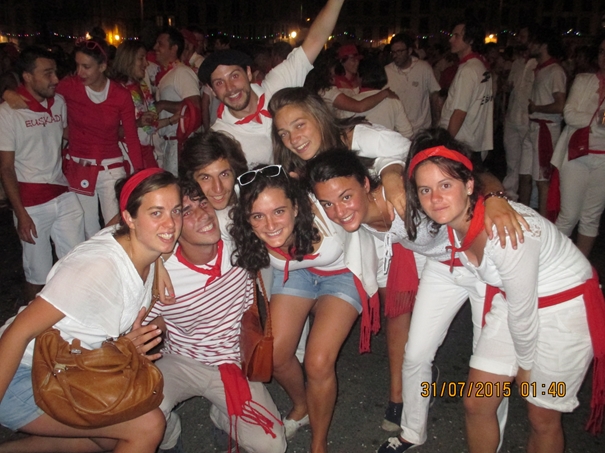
x: 133, y: 183
x: 438, y: 151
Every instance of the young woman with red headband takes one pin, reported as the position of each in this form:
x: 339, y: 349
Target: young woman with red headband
x: 100, y: 290
x: 544, y: 312
x: 354, y: 200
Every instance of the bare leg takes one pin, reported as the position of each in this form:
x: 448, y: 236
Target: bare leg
x: 141, y: 435
x: 546, y: 432
x: 525, y: 187
x: 325, y: 341
x: 585, y: 243
x: 543, y: 196
x: 288, y: 314
x: 482, y: 428
x: 397, y: 337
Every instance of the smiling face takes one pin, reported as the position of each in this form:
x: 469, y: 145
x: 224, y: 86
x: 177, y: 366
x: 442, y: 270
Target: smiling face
x: 231, y: 84
x: 298, y: 130
x: 91, y: 73
x: 140, y: 64
x: 158, y: 221
x: 164, y: 52
x: 216, y: 181
x: 344, y: 200
x: 200, y: 225
x: 272, y: 218
x: 443, y: 198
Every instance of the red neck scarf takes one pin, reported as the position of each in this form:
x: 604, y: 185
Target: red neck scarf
x: 164, y: 71
x: 215, y: 269
x: 472, y: 55
x: 33, y: 104
x: 545, y: 64
x: 256, y: 116
x: 288, y: 258
x: 474, y: 229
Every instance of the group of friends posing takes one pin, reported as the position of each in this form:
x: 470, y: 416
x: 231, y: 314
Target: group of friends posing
x: 341, y: 217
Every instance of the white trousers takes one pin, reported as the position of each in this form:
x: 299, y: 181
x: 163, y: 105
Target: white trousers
x: 513, y: 145
x: 440, y: 296
x: 582, y: 194
x: 530, y: 157
x: 169, y: 160
x: 185, y: 378
x: 105, y: 195
x: 60, y: 219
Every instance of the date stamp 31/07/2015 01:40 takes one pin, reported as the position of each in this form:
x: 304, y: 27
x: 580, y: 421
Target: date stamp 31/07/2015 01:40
x: 458, y: 389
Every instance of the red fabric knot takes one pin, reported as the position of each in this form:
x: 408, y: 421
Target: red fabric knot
x: 214, y: 270
x: 256, y: 116
x: 288, y: 258
x: 548, y: 62
x: 164, y: 71
x: 474, y: 229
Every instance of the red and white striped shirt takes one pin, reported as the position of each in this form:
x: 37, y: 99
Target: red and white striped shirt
x: 204, y: 323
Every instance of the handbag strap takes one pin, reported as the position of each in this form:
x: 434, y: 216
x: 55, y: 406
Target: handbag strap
x: 155, y: 289
x: 261, y: 284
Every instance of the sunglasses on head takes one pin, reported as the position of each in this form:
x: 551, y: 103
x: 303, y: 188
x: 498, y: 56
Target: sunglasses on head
x: 270, y: 171
x: 92, y: 45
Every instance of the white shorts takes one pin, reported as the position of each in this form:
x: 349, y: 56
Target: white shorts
x: 530, y: 158
x: 563, y: 353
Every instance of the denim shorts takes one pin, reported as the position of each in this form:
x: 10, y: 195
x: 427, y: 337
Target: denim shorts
x: 304, y: 283
x: 18, y: 407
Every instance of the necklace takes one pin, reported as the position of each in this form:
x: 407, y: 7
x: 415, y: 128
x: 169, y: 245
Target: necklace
x: 384, y: 220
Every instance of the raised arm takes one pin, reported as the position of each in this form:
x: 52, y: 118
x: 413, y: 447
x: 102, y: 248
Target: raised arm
x: 321, y: 29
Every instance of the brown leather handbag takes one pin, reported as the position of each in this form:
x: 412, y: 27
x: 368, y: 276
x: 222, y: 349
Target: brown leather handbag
x: 256, y: 344
x: 86, y: 388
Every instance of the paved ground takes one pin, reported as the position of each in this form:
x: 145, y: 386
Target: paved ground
x: 362, y: 386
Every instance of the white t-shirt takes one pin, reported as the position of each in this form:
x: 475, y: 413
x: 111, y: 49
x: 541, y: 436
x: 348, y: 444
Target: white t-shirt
x: 204, y: 324
x: 471, y: 92
x: 35, y: 138
x: 522, y: 78
x: 388, y: 113
x: 546, y: 263
x: 98, y: 289
x: 179, y: 83
x: 414, y: 86
x: 385, y: 145
x: 255, y: 137
x: 549, y: 80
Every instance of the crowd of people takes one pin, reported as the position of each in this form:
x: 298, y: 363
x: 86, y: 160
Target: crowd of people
x: 352, y: 183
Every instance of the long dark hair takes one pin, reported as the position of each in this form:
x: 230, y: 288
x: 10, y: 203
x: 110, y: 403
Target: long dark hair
x: 430, y: 138
x: 251, y: 253
x: 333, y: 130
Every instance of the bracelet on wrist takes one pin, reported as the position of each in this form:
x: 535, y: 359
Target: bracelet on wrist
x: 498, y: 194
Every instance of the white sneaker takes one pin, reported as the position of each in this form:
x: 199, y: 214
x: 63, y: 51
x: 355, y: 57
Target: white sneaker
x: 291, y: 426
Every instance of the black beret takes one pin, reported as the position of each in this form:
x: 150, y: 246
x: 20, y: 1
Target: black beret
x: 222, y: 57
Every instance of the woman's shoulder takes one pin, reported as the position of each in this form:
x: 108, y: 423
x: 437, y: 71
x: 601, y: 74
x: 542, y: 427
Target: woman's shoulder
x: 533, y: 219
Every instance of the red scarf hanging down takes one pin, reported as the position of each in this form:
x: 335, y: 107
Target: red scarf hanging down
x: 402, y: 282
x: 215, y: 269
x: 163, y: 71
x: 33, y: 104
x: 240, y: 404
x: 474, y: 229
x: 288, y: 258
x: 370, y: 309
x: 595, y: 316
x: 548, y: 62
x: 545, y: 146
